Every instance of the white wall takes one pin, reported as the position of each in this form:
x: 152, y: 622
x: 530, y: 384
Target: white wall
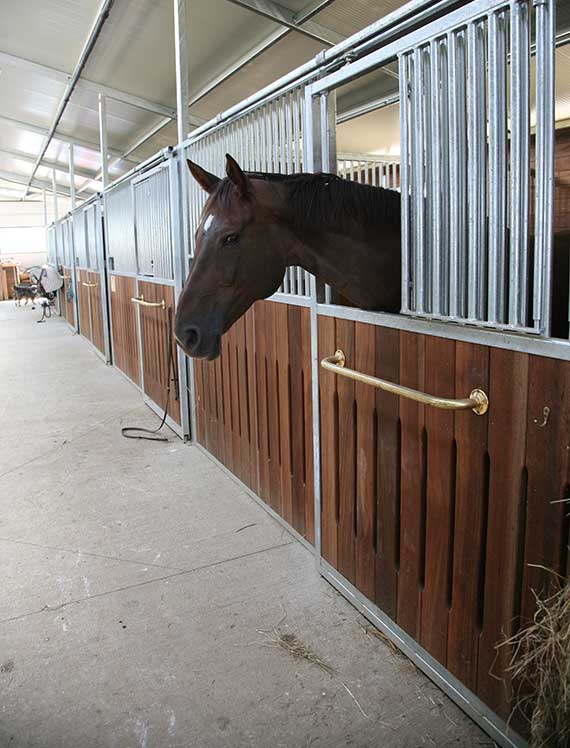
x: 22, y: 231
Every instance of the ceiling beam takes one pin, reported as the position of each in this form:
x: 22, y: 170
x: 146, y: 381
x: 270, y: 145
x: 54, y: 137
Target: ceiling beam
x: 61, y: 137
x: 100, y: 19
x: 301, y: 17
x: 40, y: 184
x: 25, y: 158
x: 60, y: 76
x: 285, y: 17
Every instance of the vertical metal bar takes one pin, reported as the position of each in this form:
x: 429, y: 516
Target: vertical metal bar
x: 544, y: 163
x: 72, y: 175
x: 54, y: 192
x: 103, y: 140
x: 179, y: 203
x: 44, y: 198
x: 457, y: 151
x: 429, y: 155
x: 497, y: 84
x: 297, y: 129
x: 519, y: 162
x: 476, y: 141
x: 404, y: 172
x: 418, y: 135
x: 434, y: 145
x: 444, y: 174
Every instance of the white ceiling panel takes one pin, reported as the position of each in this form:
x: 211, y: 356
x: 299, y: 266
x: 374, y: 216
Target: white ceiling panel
x: 51, y: 32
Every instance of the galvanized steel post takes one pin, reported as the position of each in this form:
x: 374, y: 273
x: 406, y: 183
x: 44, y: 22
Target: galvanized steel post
x: 103, y: 140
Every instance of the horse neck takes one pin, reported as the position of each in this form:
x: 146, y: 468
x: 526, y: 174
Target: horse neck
x: 361, y: 261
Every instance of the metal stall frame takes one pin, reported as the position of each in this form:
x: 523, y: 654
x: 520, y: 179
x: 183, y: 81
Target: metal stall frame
x: 164, y: 160
x: 320, y: 155
x: 100, y: 267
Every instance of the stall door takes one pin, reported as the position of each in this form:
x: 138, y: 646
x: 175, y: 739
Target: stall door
x: 155, y: 290
x: 121, y: 268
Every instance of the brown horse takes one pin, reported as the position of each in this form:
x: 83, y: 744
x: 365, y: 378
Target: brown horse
x: 254, y: 225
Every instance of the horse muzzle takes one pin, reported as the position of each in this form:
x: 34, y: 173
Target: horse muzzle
x: 197, y: 343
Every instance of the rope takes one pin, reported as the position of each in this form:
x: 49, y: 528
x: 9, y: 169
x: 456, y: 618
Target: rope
x: 138, y: 432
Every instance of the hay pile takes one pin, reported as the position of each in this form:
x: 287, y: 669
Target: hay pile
x: 540, y: 664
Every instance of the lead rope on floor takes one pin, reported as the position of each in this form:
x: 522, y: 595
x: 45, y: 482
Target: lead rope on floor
x: 130, y: 432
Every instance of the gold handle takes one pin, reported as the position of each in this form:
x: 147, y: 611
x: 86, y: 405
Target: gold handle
x: 477, y: 401
x: 89, y: 285
x: 140, y: 300
x: 67, y: 277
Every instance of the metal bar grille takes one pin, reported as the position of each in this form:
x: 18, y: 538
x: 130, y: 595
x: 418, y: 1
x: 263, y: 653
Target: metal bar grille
x: 470, y: 254
x: 152, y: 224
x: 119, y: 219
x: 267, y: 139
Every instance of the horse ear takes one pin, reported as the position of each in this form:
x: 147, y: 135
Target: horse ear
x: 237, y: 176
x: 206, y: 180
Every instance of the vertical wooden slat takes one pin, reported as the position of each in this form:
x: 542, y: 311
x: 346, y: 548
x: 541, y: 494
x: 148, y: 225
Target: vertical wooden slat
x: 388, y: 472
x: 227, y: 397
x: 297, y: 410
x: 263, y: 428
x: 412, y: 485
x: 252, y: 394
x: 273, y: 408
x: 472, y: 363
x: 246, y: 467
x: 330, y: 456
x: 308, y: 437
x: 439, y: 380
x: 547, y: 461
x: 347, y: 458
x: 234, y: 401
x: 366, y: 453
x: 282, y: 341
x: 508, y: 389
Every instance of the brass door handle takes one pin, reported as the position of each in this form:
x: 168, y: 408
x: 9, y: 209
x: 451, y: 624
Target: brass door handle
x: 140, y: 300
x: 477, y: 401
x: 89, y: 285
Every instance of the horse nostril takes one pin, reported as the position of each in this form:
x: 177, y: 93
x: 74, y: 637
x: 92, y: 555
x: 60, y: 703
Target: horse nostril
x: 192, y: 337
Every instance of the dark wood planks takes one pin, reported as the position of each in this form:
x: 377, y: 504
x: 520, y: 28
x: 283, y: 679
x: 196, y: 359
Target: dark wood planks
x: 124, y: 326
x: 83, y: 304
x: 253, y: 408
x: 154, y: 328
x: 96, y: 311
x: 462, y: 504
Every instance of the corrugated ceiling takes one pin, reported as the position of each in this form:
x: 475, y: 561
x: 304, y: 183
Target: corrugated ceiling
x: 41, y: 41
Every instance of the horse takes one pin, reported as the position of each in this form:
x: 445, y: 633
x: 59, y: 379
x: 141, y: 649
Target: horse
x: 254, y: 225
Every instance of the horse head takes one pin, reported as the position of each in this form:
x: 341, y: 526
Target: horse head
x: 241, y: 250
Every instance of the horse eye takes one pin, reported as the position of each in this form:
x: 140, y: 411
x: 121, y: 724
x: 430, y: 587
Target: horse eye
x: 231, y: 239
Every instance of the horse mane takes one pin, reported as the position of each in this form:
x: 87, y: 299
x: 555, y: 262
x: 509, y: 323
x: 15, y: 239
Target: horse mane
x: 326, y: 200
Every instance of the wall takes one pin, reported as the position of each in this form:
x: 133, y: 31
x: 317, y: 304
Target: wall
x: 22, y: 232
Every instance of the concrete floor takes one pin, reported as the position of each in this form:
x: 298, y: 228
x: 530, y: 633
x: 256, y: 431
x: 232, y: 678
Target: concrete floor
x: 143, y: 592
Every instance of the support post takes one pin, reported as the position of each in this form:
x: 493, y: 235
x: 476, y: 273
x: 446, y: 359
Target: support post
x: 54, y: 191
x: 72, y: 175
x: 186, y: 366
x: 103, y: 140
x: 44, y: 195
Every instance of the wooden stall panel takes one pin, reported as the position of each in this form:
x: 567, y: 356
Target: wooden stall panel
x: 83, y: 304
x: 124, y: 327
x: 68, y: 306
x: 253, y: 409
x: 449, y: 515
x: 154, y: 336
x: 96, y: 311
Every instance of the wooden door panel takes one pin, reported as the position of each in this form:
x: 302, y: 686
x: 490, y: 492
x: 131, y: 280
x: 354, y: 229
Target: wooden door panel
x: 83, y: 304
x: 154, y: 331
x: 253, y: 408
x: 96, y: 311
x: 461, y: 504
x: 125, y: 326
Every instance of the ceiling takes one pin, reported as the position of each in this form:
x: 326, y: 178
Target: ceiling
x: 133, y: 64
